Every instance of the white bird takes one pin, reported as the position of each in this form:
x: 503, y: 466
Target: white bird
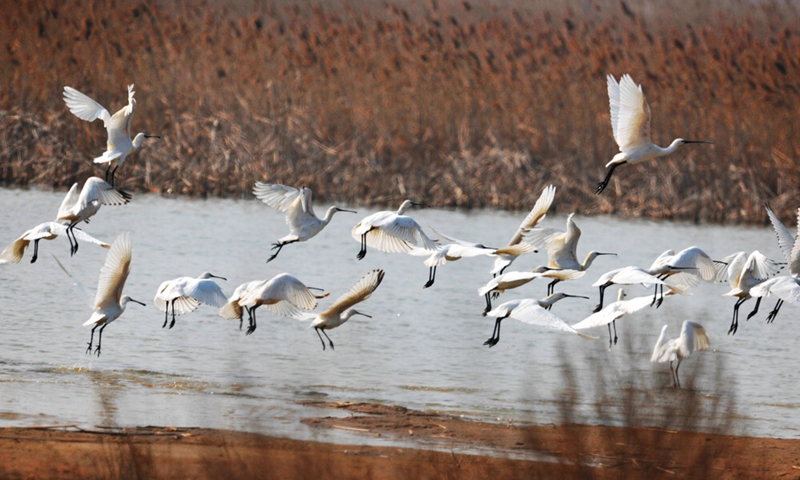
x: 118, y: 126
x: 630, y: 121
x: 612, y: 312
x: 342, y: 309
x: 693, y: 338
x: 532, y: 312
x: 785, y: 287
x: 76, y: 208
x: 686, y: 268
x: 516, y: 246
x: 743, y: 272
x: 283, y: 294
x: 449, y: 253
x: 232, y: 309
x: 14, y: 252
x: 185, y: 294
x: 509, y: 281
x: 108, y: 303
x: 625, y: 276
x: 562, y: 252
x: 391, y: 232
x: 300, y: 216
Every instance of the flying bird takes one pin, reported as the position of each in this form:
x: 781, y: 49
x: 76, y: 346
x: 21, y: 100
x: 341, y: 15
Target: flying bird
x: 509, y: 281
x: 693, y: 338
x: 532, y: 312
x: 342, y: 309
x: 118, y: 126
x: 609, y: 315
x: 284, y: 294
x: 14, y: 252
x: 517, y: 246
x: 300, y: 217
x: 80, y: 207
x: 743, y: 273
x: 625, y: 276
x: 391, y: 232
x: 450, y: 252
x: 232, y: 309
x: 686, y: 268
x: 630, y: 121
x: 185, y: 294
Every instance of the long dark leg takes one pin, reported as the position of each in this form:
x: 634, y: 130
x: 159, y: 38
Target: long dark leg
x: 241, y: 320
x: 91, y: 338
x: 600, y: 305
x: 330, y: 342
x: 363, y: 251
x: 73, y: 245
x: 35, y: 250
x: 100, y: 339
x: 495, y: 333
x: 108, y: 171
x: 660, y: 289
x: 431, y: 277
x: 277, y: 245
x: 166, y: 316
x: 252, y: 327
x: 551, y: 287
x: 320, y: 338
x: 755, y: 310
x: 735, y: 319
x: 614, y: 322
x: 488, y: 303
x: 602, y: 185
x: 774, y: 312
x: 672, y: 374
x: 655, y: 296
x: 113, y: 172
x: 610, y: 341
x: 172, y: 323
x: 677, y: 378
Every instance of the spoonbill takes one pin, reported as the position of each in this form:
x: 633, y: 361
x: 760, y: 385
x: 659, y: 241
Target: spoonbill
x: 118, y: 126
x: 342, y: 309
x: 612, y: 312
x: 624, y: 276
x: 693, y: 338
x: 509, y: 281
x: 743, y: 272
x: 532, y: 312
x: 516, y: 246
x: 449, y: 253
x: 76, y: 208
x: 686, y: 268
x: 185, y: 294
x: 283, y: 294
x: 232, y: 309
x: 630, y: 121
x: 300, y: 217
x: 562, y: 252
x: 14, y: 252
x: 784, y: 287
x: 108, y: 303
x: 391, y: 232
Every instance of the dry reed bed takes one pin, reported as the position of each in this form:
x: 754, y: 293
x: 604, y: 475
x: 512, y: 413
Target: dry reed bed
x: 450, y: 104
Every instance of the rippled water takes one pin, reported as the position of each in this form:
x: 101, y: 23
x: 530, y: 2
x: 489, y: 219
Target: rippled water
x: 423, y: 348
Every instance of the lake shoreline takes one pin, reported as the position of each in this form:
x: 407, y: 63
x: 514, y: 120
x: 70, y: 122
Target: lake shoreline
x: 437, y: 441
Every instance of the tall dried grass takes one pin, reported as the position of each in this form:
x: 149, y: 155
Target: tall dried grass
x: 449, y: 103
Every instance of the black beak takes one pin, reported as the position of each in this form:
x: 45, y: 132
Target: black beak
x: 698, y: 141
x: 137, y: 301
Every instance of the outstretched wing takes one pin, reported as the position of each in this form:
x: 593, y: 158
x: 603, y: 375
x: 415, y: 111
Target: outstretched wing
x: 613, y: 312
x: 84, y: 107
x: 630, y: 113
x: 205, y: 291
x: 82, y: 289
x: 694, y: 337
x: 533, y: 314
x: 661, y: 350
x: 98, y: 189
x: 536, y: 215
x: 114, y: 272
x: 358, y: 293
x: 785, y: 237
x: 279, y: 197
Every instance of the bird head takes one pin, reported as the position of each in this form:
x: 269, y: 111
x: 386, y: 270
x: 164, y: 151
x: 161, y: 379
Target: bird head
x: 137, y: 141
x: 207, y: 275
x: 125, y: 299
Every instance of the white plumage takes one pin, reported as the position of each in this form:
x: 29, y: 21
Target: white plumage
x: 625, y: 276
x: 391, y: 232
x: 744, y: 272
x: 14, y: 252
x: 612, y: 312
x: 283, y: 294
x: 693, y: 338
x: 297, y: 204
x: 185, y: 294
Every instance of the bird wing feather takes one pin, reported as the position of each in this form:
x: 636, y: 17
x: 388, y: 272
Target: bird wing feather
x: 533, y: 314
x: 630, y: 113
x: 280, y: 197
x: 613, y: 312
x: 358, y: 293
x: 536, y: 215
x: 785, y: 237
x: 114, y: 272
x: 660, y: 351
x: 84, y: 107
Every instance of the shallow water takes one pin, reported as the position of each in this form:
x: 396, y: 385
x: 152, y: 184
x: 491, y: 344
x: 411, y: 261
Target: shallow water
x: 422, y: 349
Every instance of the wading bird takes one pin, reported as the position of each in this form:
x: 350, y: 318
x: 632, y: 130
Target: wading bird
x: 693, y: 337
x: 743, y: 272
x: 118, y: 126
x: 509, y: 281
x: 109, y: 303
x: 283, y: 294
x: 232, y: 310
x: 686, y: 268
x: 76, y: 208
x: 532, y: 312
x: 391, y: 232
x: 630, y: 121
x: 449, y: 253
x: 610, y: 314
x: 625, y: 276
x: 300, y: 217
x: 562, y: 252
x: 516, y: 246
x: 185, y: 294
x: 44, y: 231
x: 342, y: 309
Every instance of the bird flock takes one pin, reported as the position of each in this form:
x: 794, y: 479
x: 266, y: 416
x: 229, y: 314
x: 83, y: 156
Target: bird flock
x: 671, y: 274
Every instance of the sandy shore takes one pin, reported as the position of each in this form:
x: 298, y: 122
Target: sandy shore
x: 515, y: 451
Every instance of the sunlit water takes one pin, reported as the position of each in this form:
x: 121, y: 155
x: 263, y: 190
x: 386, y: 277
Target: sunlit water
x: 422, y: 348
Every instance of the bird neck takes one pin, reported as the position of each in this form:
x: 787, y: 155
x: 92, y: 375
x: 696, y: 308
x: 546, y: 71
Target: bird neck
x: 137, y: 141
x: 587, y: 262
x: 671, y: 148
x: 329, y: 214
